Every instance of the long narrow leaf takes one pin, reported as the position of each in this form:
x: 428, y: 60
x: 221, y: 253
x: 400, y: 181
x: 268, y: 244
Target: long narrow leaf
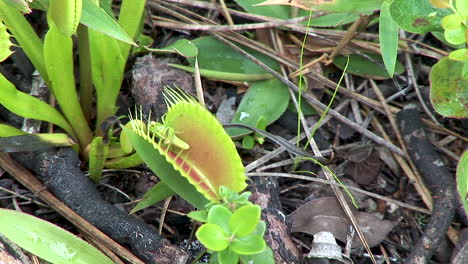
x: 157, y: 193
x: 9, y: 131
x: 58, y: 55
x: 33, y: 142
x: 29, y: 106
x: 107, y: 72
x: 96, y: 18
x: 131, y: 20
x: 388, y: 37
x: 48, y: 241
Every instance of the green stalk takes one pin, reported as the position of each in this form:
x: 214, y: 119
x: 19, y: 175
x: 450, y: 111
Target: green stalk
x: 86, y: 81
x: 26, y: 37
x: 58, y: 55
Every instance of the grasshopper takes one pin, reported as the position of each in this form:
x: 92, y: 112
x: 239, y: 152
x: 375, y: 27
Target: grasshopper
x: 167, y: 135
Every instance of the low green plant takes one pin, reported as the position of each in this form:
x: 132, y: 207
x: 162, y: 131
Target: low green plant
x: 103, y: 43
x: 232, y: 230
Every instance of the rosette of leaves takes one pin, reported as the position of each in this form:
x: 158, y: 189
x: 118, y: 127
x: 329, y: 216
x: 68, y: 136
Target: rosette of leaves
x: 189, y: 151
x: 232, y: 230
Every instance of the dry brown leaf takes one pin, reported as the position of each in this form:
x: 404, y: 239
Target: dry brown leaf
x: 325, y: 214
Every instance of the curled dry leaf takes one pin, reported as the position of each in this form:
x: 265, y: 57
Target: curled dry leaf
x: 325, y: 214
x: 365, y: 171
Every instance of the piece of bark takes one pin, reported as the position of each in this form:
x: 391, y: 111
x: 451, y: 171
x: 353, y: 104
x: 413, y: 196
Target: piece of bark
x: 59, y: 170
x: 436, y: 177
x: 265, y: 194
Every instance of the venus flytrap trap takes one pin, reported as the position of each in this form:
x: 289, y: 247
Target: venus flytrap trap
x: 189, y: 150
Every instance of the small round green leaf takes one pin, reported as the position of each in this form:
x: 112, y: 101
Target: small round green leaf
x: 228, y: 256
x: 244, y: 220
x: 212, y: 237
x: 220, y: 215
x: 200, y: 216
x: 455, y: 36
x: 462, y: 180
x: 459, y: 55
x: 264, y: 257
x: 249, y: 245
x: 48, y: 241
x: 449, y: 92
x: 451, y: 21
x: 260, y: 228
x: 417, y: 16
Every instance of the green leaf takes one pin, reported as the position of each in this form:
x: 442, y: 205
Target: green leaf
x: 124, y: 162
x: 360, y: 66
x: 248, y: 142
x: 33, y: 142
x: 332, y: 20
x: 388, y: 37
x: 455, y: 36
x: 131, y: 18
x: 228, y: 256
x: 249, y: 245
x: 200, y: 216
x: 459, y: 55
x: 157, y: 193
x: 462, y: 180
x: 217, y: 56
x: 449, y: 93
x: 98, y: 153
x: 9, y: 131
x: 96, y: 18
x: 244, y: 220
x: 58, y: 58
x: 183, y: 47
x: 21, y: 5
x: 225, y: 76
x: 462, y: 8
x: 212, y: 237
x: 451, y: 21
x: 48, y: 241
x: 107, y: 65
x: 29, y: 106
x: 267, y: 98
x: 440, y: 36
x: 260, y: 228
x: 220, y: 215
x: 264, y: 257
x: 417, y: 16
x: 276, y: 11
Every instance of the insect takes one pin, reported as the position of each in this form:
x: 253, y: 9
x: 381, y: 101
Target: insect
x: 167, y: 135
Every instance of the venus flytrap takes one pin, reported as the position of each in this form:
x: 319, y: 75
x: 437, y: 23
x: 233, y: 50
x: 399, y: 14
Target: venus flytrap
x: 189, y: 150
